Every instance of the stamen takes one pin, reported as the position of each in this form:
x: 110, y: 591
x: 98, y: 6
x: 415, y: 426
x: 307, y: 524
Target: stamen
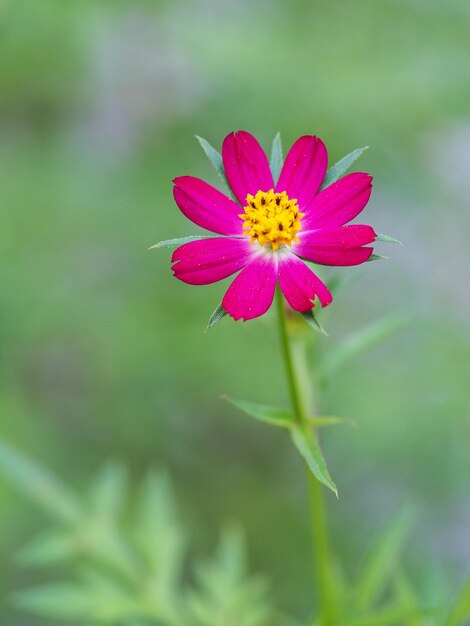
x: 271, y: 219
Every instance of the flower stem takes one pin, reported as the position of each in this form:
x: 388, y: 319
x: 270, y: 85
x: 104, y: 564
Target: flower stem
x: 319, y: 524
x: 292, y: 382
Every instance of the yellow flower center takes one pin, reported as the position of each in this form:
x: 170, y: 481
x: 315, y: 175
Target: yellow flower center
x: 271, y: 219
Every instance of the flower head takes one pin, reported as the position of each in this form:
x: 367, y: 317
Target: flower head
x: 273, y: 228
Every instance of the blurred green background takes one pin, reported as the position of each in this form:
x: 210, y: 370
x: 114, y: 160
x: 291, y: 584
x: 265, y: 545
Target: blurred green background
x: 102, y: 352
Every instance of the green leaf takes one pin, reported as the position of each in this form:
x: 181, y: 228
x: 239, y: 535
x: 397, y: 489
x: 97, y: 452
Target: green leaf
x: 276, y: 160
x: 342, y: 166
x: 156, y: 506
x: 216, y: 316
x: 225, y: 593
x: 108, y: 491
x: 407, y: 598
x: 276, y: 416
x: 363, y: 340
x: 61, y: 601
x: 392, y: 616
x: 113, y: 602
x: 232, y: 551
x: 307, y: 444
x: 159, y: 537
x: 101, y: 536
x: 174, y: 243
x: 381, y: 563
x: 39, y: 484
x: 310, y: 318
x: 216, y: 159
x: 50, y: 548
x: 460, y: 610
x: 388, y: 239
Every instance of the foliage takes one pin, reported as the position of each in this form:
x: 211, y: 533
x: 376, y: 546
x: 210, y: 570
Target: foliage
x: 130, y: 567
x: 129, y: 573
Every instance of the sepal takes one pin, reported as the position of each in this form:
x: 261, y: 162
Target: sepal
x: 311, y: 319
x: 387, y: 239
x: 216, y: 316
x: 216, y: 159
x: 341, y: 167
x: 174, y: 243
x: 276, y: 160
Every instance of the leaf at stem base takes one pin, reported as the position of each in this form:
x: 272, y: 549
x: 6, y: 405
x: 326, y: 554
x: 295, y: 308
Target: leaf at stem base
x: 307, y: 445
x: 276, y: 416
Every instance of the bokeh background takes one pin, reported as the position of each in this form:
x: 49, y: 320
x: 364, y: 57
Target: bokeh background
x: 102, y: 352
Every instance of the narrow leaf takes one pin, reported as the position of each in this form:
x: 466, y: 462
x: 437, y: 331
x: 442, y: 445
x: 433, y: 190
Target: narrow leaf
x: 225, y: 592
x: 232, y: 551
x: 216, y: 316
x: 388, y: 239
x: 174, y: 243
x: 310, y: 318
x: 392, y: 616
x: 48, y: 549
x: 157, y: 507
x: 276, y: 416
x: 307, y: 444
x: 108, y: 491
x: 407, y: 598
x: 363, y: 340
x: 460, y: 611
x: 61, y: 601
x: 159, y: 537
x: 381, y: 563
x: 276, y: 160
x: 39, y: 484
x: 216, y: 159
x: 341, y: 167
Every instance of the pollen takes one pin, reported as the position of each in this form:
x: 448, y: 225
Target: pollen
x: 271, y: 219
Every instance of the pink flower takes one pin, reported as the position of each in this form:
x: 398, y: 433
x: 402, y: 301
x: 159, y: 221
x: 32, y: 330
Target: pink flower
x: 274, y: 228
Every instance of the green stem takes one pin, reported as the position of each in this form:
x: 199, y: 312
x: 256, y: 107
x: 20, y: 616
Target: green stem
x: 319, y: 525
x: 294, y: 389
x: 321, y: 547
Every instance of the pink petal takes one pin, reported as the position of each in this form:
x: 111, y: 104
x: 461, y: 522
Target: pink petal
x: 206, y: 206
x: 300, y: 285
x: 252, y: 292
x: 209, y: 260
x: 337, y: 245
x: 347, y: 256
x: 246, y: 165
x: 304, y: 170
x: 334, y: 238
x: 339, y: 203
